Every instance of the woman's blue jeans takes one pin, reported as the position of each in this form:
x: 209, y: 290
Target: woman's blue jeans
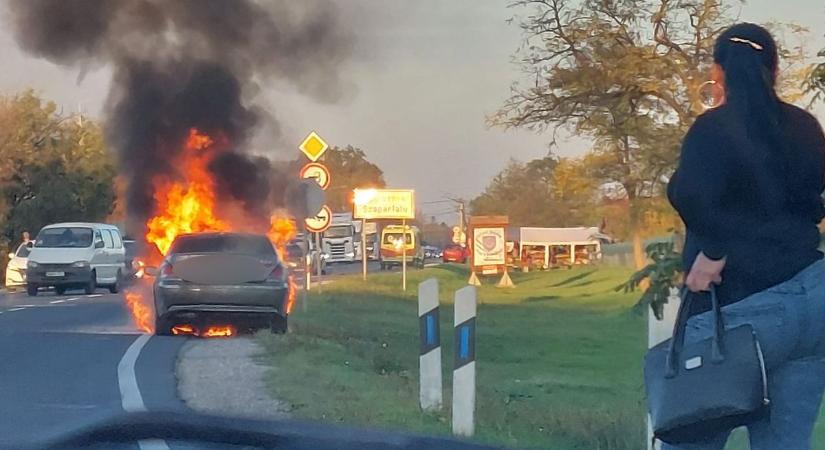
x: 789, y: 320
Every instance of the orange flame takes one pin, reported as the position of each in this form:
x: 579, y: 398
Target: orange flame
x: 141, y: 313
x: 183, y: 329
x: 221, y: 331
x: 140, y: 268
x: 293, y: 287
x: 281, y: 231
x: 186, y: 206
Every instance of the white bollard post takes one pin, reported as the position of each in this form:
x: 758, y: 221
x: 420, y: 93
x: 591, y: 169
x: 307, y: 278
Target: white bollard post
x: 429, y: 359
x: 659, y: 331
x: 464, y: 363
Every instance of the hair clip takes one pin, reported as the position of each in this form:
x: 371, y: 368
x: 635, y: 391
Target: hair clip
x: 747, y: 41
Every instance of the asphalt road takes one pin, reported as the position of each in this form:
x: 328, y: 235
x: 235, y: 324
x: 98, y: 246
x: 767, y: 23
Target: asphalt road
x: 71, y: 360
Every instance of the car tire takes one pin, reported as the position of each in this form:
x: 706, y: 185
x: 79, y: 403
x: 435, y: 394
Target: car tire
x: 31, y: 289
x: 115, y: 288
x: 278, y: 324
x: 162, y: 327
x: 91, y: 285
x: 60, y: 290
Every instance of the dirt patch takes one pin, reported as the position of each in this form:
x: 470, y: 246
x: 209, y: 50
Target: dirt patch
x: 220, y: 376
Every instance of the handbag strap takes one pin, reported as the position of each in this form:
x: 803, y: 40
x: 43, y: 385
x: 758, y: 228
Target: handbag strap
x: 678, y: 341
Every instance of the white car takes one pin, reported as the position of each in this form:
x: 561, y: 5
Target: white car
x: 16, y: 270
x: 76, y: 256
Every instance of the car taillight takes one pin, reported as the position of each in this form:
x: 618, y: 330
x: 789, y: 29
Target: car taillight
x: 166, y: 270
x: 277, y: 273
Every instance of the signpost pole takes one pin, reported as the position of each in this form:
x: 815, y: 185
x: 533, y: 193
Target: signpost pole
x: 318, y: 262
x: 364, y: 247
x: 307, y: 270
x: 404, y: 254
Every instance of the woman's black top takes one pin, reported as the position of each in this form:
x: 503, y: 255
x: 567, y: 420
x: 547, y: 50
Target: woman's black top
x: 756, y: 204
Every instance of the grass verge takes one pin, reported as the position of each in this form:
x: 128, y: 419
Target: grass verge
x: 558, y: 357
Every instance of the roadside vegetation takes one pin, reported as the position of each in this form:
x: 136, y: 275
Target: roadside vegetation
x: 559, y: 358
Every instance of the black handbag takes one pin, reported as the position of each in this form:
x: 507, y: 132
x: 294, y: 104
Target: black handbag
x: 697, y: 390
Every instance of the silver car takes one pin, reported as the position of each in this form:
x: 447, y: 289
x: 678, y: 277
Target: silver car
x: 209, y: 278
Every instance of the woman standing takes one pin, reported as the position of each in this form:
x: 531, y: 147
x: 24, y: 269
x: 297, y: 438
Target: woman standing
x: 748, y: 188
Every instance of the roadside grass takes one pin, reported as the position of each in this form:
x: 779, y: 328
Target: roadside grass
x: 558, y: 358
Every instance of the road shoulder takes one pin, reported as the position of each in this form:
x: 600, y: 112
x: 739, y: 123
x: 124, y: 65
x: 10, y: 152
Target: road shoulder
x: 221, y: 377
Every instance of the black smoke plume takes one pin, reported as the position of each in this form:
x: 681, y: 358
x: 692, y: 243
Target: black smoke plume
x: 179, y: 64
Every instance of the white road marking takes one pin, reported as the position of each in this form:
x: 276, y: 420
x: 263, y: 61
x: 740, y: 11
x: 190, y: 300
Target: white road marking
x: 71, y: 299
x: 94, y: 296
x: 27, y: 306
x: 127, y: 382
x: 130, y: 397
x: 16, y: 309
x: 53, y: 302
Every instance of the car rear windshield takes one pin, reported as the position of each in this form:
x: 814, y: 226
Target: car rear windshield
x: 64, y: 237
x: 223, y: 243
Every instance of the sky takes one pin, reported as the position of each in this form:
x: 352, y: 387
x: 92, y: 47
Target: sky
x: 424, y: 76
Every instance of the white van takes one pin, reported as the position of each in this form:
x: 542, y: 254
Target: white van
x: 76, y: 256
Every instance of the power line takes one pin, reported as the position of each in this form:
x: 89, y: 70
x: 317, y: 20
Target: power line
x: 436, y: 202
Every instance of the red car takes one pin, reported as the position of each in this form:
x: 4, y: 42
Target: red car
x: 455, y: 253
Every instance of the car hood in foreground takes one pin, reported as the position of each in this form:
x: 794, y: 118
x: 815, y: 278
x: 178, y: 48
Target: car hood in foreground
x: 209, y: 431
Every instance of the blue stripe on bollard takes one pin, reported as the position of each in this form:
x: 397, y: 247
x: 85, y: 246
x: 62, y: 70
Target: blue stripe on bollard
x: 429, y: 331
x: 465, y: 341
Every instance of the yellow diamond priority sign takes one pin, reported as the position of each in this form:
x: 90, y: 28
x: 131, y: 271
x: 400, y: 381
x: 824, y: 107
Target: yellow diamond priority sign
x: 313, y: 146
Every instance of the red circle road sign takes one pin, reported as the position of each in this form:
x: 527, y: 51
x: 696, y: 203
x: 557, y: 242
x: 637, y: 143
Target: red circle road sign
x: 318, y: 172
x: 320, y: 222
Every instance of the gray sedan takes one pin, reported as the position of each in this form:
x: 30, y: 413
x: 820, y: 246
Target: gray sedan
x: 208, y: 278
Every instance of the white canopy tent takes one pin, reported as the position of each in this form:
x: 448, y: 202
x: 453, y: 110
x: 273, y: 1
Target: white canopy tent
x: 549, y: 237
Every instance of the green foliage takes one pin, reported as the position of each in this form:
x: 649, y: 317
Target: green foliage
x: 349, y: 169
x: 52, y: 167
x: 660, y: 274
x: 624, y: 74
x: 548, y: 191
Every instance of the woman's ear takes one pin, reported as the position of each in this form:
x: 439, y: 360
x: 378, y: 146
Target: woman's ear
x: 717, y: 74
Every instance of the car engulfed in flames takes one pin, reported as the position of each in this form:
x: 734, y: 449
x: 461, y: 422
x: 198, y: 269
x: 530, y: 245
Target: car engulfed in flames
x: 198, y: 290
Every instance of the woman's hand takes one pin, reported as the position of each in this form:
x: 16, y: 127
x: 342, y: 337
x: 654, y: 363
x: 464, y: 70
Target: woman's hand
x: 704, y: 272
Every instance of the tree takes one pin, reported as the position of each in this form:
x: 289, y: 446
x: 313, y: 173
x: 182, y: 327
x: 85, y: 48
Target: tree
x: 437, y: 234
x: 549, y: 192
x: 52, y: 167
x: 624, y: 74
x: 349, y: 169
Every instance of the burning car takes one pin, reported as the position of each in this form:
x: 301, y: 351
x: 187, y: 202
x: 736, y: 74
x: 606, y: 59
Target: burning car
x: 216, y: 276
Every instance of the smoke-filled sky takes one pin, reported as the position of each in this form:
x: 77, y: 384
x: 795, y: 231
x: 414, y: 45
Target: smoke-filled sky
x: 414, y: 91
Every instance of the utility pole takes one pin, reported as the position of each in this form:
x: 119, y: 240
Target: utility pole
x: 461, y: 219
